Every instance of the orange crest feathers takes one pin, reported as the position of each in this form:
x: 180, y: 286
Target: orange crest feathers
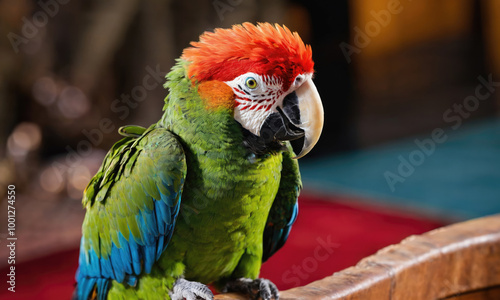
x: 263, y: 49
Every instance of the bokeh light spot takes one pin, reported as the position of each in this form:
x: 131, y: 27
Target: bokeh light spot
x: 51, y: 181
x: 72, y: 102
x: 45, y: 91
x: 25, y: 137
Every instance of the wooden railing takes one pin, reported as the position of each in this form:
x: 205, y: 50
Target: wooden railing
x: 459, y: 262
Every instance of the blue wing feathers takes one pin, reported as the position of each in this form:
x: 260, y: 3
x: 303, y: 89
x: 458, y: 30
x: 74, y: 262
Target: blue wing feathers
x: 285, y: 207
x: 286, y: 231
x: 152, y: 224
x: 276, y: 236
x: 95, y: 267
x: 124, y: 254
x: 119, y: 267
x: 164, y: 213
x: 131, y: 280
x: 106, y: 269
x: 160, y: 247
x: 136, y: 259
x: 85, y: 287
x: 295, y: 213
x: 160, y: 209
x: 131, y: 233
x: 102, y: 288
x: 149, y: 256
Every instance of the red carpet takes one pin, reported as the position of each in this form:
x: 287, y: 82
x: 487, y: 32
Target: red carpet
x: 326, y: 238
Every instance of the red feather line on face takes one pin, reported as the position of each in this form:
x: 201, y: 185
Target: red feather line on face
x: 263, y: 49
x: 245, y: 103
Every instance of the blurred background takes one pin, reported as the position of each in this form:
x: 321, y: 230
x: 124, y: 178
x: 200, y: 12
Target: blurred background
x: 410, y: 89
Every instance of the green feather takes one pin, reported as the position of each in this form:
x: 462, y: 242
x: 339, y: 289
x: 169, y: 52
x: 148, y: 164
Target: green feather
x: 228, y: 193
x: 131, y: 131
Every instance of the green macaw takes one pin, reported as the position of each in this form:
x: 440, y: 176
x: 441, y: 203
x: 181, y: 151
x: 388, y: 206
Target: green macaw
x: 209, y: 192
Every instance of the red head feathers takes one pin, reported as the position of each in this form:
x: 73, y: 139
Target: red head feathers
x: 263, y: 49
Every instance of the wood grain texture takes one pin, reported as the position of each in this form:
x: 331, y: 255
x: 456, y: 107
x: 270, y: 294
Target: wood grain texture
x: 460, y: 260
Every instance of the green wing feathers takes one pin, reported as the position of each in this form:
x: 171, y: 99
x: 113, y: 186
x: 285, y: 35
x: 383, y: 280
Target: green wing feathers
x: 132, y: 204
x: 285, y: 206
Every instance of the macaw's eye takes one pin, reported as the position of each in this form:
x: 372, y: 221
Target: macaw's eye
x: 251, y: 83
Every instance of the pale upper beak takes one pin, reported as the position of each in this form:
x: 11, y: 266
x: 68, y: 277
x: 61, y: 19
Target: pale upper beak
x: 300, y: 115
x: 311, y: 115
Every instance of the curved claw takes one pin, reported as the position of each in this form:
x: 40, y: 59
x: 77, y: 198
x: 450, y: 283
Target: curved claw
x: 259, y: 288
x: 190, y: 290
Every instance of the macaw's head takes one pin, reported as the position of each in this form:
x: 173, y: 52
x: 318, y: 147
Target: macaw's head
x: 267, y: 70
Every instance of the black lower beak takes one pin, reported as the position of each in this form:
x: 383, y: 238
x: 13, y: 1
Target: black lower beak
x: 298, y: 119
x: 283, y: 129
x: 279, y: 125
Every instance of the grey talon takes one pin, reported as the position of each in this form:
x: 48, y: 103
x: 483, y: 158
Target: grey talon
x: 256, y: 289
x: 190, y: 290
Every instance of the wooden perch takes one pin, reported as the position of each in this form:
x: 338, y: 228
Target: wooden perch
x: 460, y: 261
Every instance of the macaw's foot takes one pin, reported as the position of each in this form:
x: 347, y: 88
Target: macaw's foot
x: 258, y: 288
x: 190, y: 290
